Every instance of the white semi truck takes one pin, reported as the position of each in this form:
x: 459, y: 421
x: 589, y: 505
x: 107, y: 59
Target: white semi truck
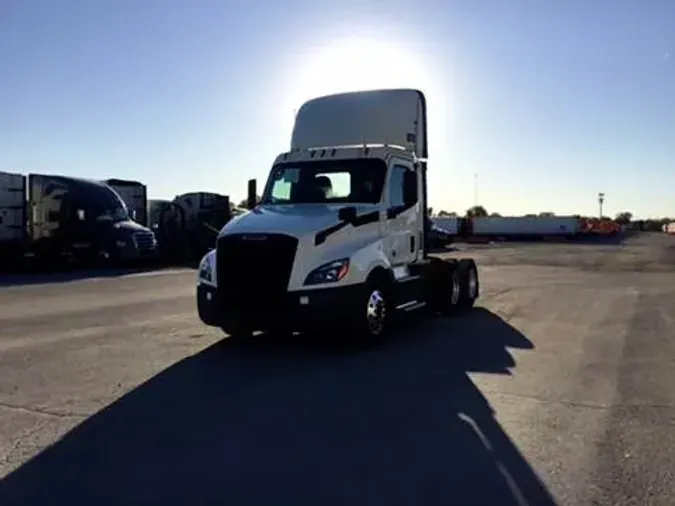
x: 339, y: 237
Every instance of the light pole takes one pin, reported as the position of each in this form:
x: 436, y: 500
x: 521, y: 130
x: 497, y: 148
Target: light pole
x: 475, y: 189
x: 601, y: 200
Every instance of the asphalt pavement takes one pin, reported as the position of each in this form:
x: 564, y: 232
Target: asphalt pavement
x: 557, y: 389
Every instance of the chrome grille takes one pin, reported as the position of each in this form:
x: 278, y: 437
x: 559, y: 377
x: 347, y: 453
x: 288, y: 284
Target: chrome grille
x: 144, y: 240
x: 254, y: 269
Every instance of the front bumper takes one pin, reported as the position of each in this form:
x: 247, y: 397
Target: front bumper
x: 140, y: 255
x: 130, y: 252
x: 299, y: 311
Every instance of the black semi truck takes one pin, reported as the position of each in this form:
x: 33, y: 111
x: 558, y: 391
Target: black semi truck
x: 54, y: 220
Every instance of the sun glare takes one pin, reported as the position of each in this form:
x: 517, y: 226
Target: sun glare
x: 355, y: 64
x: 351, y: 64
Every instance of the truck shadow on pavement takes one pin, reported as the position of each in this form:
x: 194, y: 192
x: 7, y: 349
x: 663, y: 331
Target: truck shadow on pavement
x: 295, y: 423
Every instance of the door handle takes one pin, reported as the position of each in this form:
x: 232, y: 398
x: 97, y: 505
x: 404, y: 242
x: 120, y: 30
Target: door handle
x: 412, y: 244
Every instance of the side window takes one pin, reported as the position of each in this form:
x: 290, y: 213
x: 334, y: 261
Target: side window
x: 283, y: 183
x: 281, y: 190
x: 410, y: 188
x: 396, y: 184
x: 402, y: 187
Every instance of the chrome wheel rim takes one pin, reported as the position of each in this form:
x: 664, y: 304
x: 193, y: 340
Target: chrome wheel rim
x: 473, y: 284
x: 376, y: 312
x: 454, y: 297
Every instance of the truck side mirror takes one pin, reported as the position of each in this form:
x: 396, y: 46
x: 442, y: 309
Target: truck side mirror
x: 252, y: 196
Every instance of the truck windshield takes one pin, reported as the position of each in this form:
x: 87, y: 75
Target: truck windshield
x: 110, y: 214
x: 326, y: 181
x: 104, y: 204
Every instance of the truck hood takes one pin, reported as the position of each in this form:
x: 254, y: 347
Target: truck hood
x: 128, y: 227
x: 297, y: 220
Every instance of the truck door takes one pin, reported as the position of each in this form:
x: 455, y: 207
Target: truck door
x: 402, y: 213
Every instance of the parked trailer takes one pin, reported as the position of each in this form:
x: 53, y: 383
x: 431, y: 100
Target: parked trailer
x: 13, y: 214
x: 588, y: 226
x: 443, y: 231
x: 135, y: 196
x: 188, y: 225
x: 197, y: 204
x: 155, y: 211
x: 54, y: 219
x: 525, y: 227
x: 449, y: 225
x: 598, y: 227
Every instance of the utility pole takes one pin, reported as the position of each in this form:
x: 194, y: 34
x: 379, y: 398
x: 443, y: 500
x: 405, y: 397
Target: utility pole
x: 601, y: 200
x: 475, y: 189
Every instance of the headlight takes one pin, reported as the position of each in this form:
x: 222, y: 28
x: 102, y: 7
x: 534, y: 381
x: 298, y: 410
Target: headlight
x: 120, y: 243
x: 329, y: 273
x: 205, y: 271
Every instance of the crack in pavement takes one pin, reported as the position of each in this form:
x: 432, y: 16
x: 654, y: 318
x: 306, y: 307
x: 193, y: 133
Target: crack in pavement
x: 578, y: 404
x: 6, y: 459
x: 44, y: 412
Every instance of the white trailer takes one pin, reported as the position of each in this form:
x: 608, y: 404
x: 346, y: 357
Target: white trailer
x: 449, y: 225
x: 526, y: 226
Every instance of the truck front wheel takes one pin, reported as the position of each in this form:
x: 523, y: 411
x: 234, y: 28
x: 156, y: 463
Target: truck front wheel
x: 376, y: 312
x: 373, y: 315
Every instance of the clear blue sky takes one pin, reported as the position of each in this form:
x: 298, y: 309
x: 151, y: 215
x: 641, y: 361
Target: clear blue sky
x: 548, y: 101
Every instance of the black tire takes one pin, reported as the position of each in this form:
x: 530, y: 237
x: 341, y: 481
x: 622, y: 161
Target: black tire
x: 104, y: 258
x: 451, y: 289
x: 444, y: 287
x: 469, y: 281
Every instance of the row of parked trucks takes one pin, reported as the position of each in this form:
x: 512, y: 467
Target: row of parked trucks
x: 52, y: 220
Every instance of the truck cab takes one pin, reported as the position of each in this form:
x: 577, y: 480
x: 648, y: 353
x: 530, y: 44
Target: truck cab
x: 338, y: 239
x: 86, y: 219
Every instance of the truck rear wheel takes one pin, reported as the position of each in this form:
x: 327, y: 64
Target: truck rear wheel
x: 468, y: 276
x: 451, y: 291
